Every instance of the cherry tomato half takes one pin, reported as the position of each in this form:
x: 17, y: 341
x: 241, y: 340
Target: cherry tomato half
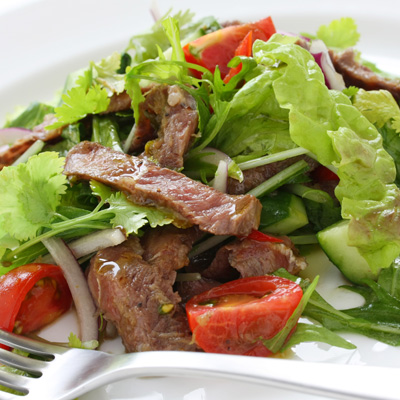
x: 218, y: 48
x: 235, y: 317
x: 32, y: 296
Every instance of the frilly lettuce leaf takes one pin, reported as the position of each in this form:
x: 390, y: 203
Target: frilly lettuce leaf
x: 106, y: 73
x: 326, y: 123
x: 379, y: 107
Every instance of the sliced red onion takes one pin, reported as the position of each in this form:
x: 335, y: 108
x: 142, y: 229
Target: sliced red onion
x: 73, y: 274
x: 320, y: 52
x: 11, y: 135
x: 155, y: 11
x: 285, y: 33
x: 220, y: 181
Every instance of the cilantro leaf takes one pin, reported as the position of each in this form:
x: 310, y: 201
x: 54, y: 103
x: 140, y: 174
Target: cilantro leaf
x: 75, y: 342
x: 341, y: 33
x: 80, y: 101
x: 127, y: 214
x: 30, y: 193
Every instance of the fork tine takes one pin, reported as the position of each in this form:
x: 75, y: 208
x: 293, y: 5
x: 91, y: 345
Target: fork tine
x: 29, y: 345
x: 14, y: 381
x: 30, y: 365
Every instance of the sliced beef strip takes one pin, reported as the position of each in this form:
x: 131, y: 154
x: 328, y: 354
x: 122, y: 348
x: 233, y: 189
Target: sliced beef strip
x: 254, y: 258
x: 39, y: 132
x: 147, y: 184
x: 169, y: 116
x: 177, y: 129
x: 130, y: 292
x: 255, y: 176
x: 356, y: 74
x: 119, y: 102
x: 151, y: 111
x: 168, y: 246
x: 189, y: 289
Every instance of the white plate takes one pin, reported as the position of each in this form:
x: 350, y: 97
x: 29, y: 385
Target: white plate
x: 46, y: 39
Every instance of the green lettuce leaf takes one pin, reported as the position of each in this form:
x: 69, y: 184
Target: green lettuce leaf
x: 106, y: 73
x: 30, y: 117
x: 143, y: 47
x: 326, y: 123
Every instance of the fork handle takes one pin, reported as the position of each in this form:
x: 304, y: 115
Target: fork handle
x: 330, y: 380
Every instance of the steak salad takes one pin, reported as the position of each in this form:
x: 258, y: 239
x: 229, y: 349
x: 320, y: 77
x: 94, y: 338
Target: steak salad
x: 171, y: 191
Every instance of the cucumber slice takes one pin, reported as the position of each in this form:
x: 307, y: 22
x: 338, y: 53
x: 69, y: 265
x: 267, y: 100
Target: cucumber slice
x: 348, y: 259
x: 292, y: 213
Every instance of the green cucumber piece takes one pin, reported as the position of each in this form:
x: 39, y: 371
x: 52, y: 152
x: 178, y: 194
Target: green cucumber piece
x: 289, y: 215
x: 333, y: 240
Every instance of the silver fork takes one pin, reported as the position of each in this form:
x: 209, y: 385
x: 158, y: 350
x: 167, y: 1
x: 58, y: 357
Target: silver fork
x: 65, y: 373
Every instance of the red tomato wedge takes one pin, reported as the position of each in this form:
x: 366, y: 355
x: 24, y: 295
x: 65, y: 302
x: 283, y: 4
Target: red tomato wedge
x: 244, y: 49
x: 235, y: 317
x: 263, y: 237
x: 218, y: 48
x: 323, y: 174
x: 32, y: 296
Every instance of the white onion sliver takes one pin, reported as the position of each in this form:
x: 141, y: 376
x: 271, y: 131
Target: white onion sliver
x: 221, y: 177
x: 96, y: 241
x: 11, y: 135
x: 90, y: 243
x: 73, y: 274
x: 215, y: 157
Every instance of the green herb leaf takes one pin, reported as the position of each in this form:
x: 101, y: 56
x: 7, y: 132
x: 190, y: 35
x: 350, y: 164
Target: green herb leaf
x: 75, y: 342
x: 30, y: 194
x: 80, y: 101
x: 341, y: 33
x: 315, y: 333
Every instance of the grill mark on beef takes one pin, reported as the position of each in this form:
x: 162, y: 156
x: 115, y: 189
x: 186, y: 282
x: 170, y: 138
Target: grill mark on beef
x: 356, y: 74
x: 255, y: 176
x: 39, y: 132
x: 253, y: 258
x: 147, y: 184
x: 129, y: 292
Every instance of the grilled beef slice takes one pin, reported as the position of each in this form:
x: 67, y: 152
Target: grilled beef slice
x: 131, y: 292
x: 254, y: 258
x: 356, y: 74
x: 177, y: 128
x: 169, y: 116
x: 147, y: 184
x: 39, y: 132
